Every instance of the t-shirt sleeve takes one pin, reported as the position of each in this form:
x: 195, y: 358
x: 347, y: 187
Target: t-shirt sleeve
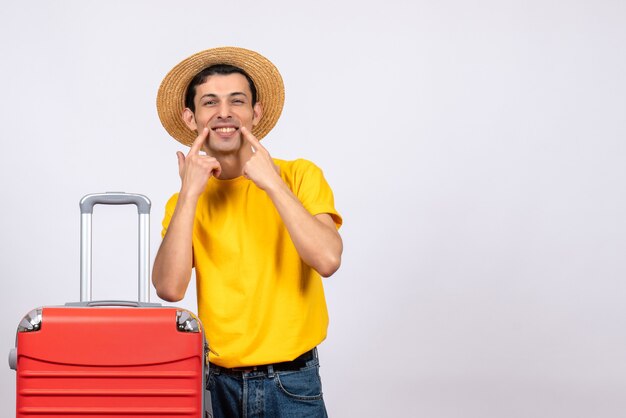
x: 314, y: 192
x: 169, y: 211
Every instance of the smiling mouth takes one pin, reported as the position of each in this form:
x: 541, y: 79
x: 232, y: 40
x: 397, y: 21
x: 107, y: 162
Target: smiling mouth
x: 225, y: 130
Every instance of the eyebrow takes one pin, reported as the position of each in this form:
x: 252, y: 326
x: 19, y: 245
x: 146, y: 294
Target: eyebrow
x: 236, y: 93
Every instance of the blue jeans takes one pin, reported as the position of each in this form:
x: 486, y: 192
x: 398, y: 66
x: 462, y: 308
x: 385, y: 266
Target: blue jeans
x: 267, y: 393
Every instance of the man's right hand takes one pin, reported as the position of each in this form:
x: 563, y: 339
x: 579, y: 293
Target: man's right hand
x: 196, y: 169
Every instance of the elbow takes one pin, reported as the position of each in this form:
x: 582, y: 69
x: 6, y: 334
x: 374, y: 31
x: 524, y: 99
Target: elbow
x: 329, y: 266
x: 170, y: 284
x: 170, y: 295
x: 330, y: 260
x: 169, y: 291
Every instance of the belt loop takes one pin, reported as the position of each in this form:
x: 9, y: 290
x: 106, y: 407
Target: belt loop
x: 215, y: 369
x: 270, y: 371
x: 315, y: 353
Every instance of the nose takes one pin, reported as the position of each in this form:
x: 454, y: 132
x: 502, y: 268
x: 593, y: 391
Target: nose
x: 223, y: 111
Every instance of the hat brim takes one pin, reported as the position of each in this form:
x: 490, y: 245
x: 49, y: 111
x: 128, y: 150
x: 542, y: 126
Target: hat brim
x: 264, y: 74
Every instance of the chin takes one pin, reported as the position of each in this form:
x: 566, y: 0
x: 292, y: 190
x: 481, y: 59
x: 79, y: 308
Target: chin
x: 225, y: 148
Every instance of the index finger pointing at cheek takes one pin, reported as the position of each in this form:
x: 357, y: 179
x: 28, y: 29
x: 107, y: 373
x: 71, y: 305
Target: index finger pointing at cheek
x: 199, y: 141
x: 251, y: 139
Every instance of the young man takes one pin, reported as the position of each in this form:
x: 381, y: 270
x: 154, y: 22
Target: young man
x: 259, y: 232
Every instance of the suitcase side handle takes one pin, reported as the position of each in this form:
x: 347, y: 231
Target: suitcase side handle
x: 86, y: 211
x: 121, y: 303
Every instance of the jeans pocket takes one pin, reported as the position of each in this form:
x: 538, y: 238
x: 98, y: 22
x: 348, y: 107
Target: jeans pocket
x: 303, y: 385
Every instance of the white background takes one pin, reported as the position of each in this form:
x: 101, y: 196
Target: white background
x: 477, y: 153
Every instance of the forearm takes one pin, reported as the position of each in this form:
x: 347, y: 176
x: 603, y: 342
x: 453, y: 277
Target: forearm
x: 315, y: 237
x: 173, y: 263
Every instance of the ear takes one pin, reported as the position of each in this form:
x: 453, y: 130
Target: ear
x: 189, y: 119
x: 257, y: 113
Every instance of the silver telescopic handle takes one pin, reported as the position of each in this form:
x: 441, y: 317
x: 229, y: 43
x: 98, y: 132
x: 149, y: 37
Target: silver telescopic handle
x: 86, y: 210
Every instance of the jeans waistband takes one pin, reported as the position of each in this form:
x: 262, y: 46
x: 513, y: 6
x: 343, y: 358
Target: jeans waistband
x: 294, y: 365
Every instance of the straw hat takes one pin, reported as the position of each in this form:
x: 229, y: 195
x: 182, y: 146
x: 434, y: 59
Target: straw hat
x: 266, y: 78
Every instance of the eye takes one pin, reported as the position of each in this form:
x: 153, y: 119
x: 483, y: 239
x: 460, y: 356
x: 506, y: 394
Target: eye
x: 238, y: 101
x: 209, y: 103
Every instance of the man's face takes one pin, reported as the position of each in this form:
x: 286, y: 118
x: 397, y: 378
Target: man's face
x: 224, y: 104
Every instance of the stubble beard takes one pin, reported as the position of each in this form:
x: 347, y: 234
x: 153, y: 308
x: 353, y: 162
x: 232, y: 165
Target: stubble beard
x: 218, y: 148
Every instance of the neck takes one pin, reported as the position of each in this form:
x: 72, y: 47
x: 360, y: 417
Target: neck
x: 232, y: 164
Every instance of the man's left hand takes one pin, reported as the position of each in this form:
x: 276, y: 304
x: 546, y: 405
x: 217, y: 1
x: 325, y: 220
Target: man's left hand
x: 260, y: 168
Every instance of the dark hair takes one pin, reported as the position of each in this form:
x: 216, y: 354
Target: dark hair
x: 221, y: 69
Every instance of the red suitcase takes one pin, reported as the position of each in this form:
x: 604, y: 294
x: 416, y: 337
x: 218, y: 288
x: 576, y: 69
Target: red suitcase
x: 111, y: 358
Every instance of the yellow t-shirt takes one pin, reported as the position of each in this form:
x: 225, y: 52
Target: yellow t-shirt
x: 258, y: 301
